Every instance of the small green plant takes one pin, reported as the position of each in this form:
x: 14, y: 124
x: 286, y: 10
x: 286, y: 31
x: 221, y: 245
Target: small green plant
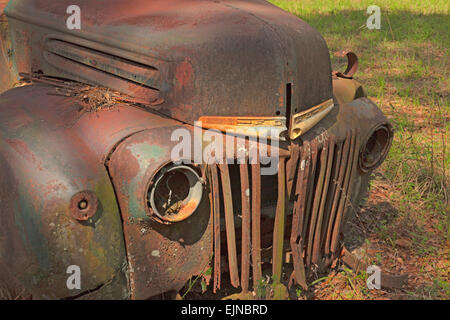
x: 298, y: 291
x: 202, y: 282
x: 261, y: 288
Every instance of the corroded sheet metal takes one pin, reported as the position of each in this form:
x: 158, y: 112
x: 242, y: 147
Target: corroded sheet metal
x: 46, y: 159
x: 245, y: 205
x: 317, y: 192
x: 216, y: 207
x: 291, y: 167
x: 161, y: 257
x: 318, y: 233
x: 346, y: 192
x: 229, y: 225
x: 256, y: 222
x: 256, y: 47
x: 77, y: 181
x: 336, y: 197
x: 297, y: 238
x: 279, y: 224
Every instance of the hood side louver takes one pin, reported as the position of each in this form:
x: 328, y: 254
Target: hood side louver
x: 100, y: 68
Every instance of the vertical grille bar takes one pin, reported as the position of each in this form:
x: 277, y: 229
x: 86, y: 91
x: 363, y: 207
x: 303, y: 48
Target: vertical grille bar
x: 278, y: 234
x: 245, y: 251
x: 292, y: 168
x: 332, y: 189
x: 318, y: 231
x: 317, y: 197
x: 309, y: 194
x: 344, y: 195
x: 256, y: 221
x: 216, y: 222
x: 336, y: 197
x: 229, y: 224
x: 296, y: 239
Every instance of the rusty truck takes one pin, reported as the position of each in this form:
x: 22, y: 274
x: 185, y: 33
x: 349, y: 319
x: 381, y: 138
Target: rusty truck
x: 87, y: 117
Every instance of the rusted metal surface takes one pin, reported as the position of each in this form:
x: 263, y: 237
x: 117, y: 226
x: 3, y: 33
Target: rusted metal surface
x: 256, y: 222
x: 245, y: 206
x: 78, y: 181
x: 387, y: 281
x: 46, y: 159
x: 326, y: 171
x: 229, y: 224
x: 337, y: 195
x: 316, y: 201
x: 216, y: 207
x: 165, y: 36
x: 307, y: 226
x: 296, y: 239
x: 83, y: 205
x: 352, y: 64
x: 278, y: 228
x: 291, y: 167
x: 346, y: 190
x: 161, y: 257
x: 328, y: 160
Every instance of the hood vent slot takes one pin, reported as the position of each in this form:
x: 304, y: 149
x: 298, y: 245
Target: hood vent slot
x: 99, y: 68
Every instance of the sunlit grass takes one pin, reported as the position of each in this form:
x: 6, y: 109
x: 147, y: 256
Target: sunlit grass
x: 405, y: 70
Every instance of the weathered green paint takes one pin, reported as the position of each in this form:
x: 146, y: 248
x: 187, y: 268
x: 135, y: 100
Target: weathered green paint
x: 145, y: 154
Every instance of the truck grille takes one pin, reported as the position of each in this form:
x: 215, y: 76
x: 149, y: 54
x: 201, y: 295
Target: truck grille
x: 314, y: 186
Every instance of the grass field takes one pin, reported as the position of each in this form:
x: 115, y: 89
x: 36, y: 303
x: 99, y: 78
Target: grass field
x: 405, y: 68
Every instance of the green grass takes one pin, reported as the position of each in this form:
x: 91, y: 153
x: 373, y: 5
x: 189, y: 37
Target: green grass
x: 405, y: 69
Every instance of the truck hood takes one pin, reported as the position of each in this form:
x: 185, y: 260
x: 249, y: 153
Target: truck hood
x: 193, y: 58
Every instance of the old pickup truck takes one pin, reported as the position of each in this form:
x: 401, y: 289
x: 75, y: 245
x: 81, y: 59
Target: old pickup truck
x: 88, y: 181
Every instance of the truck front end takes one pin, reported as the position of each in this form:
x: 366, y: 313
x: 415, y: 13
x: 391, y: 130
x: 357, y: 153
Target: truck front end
x: 229, y: 146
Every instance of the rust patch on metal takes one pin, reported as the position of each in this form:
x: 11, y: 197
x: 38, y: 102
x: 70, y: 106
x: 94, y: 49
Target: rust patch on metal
x: 83, y: 205
x: 184, y: 73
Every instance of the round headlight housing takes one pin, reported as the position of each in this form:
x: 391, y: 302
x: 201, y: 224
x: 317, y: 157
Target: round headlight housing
x: 376, y: 147
x: 175, y: 193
